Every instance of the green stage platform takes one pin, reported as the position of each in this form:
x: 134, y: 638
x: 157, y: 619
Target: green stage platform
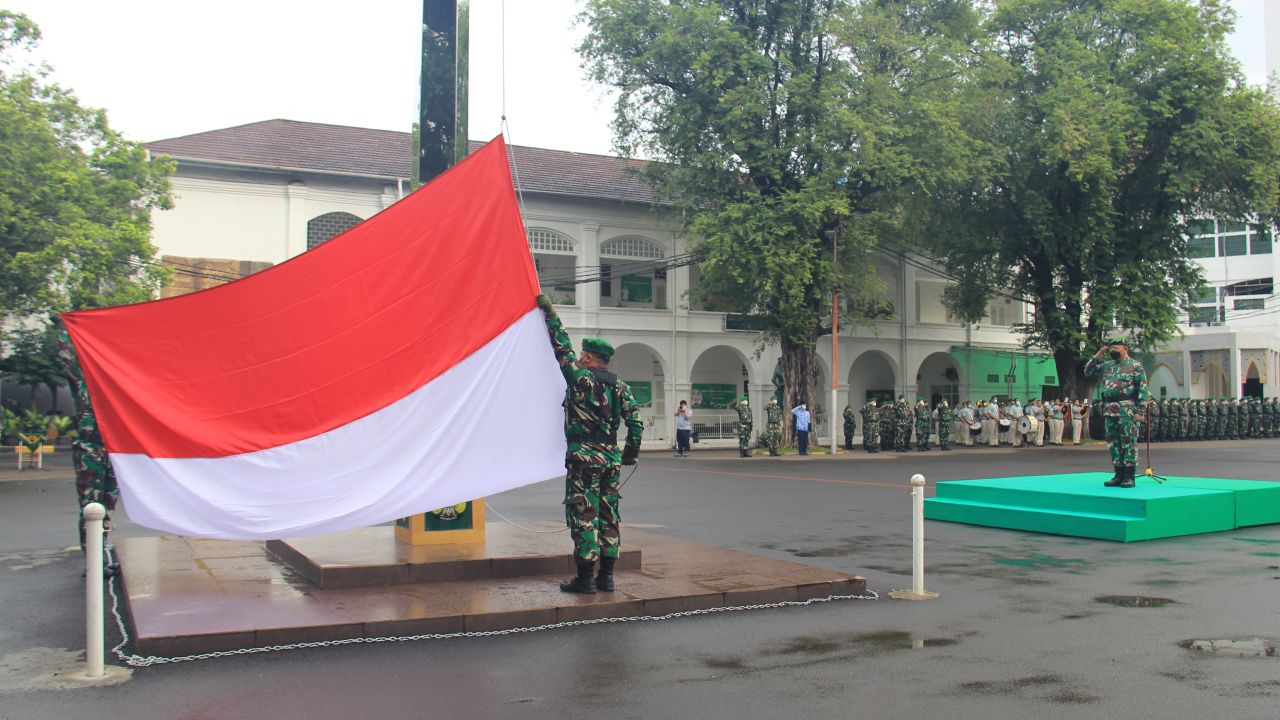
x: 1078, y: 505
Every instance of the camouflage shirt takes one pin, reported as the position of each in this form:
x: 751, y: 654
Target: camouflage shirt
x: 596, y: 403
x: 1124, y: 384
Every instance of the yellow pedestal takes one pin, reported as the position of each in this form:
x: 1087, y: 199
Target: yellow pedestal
x: 423, y: 530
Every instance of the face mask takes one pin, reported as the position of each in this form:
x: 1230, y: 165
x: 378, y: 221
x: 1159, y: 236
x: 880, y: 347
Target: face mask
x: 1115, y: 354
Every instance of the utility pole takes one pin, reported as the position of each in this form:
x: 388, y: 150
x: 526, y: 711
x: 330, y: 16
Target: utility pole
x: 442, y: 100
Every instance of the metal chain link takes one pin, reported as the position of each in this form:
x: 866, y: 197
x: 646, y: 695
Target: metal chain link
x: 149, y: 660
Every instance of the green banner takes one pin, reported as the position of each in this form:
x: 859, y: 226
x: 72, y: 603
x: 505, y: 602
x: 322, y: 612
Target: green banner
x: 707, y: 396
x: 637, y: 288
x: 642, y: 390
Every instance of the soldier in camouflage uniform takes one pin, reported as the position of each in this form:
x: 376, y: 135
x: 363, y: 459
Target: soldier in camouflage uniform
x: 924, y: 419
x: 888, y: 425
x: 1124, y: 393
x: 773, y: 426
x: 1233, y: 418
x: 903, y: 428
x: 95, y: 477
x: 1159, y: 423
x: 850, y: 426
x: 871, y: 427
x: 1273, y: 419
x: 596, y: 403
x: 1224, y: 419
x: 745, y: 425
x: 1255, y: 418
x: 944, y: 416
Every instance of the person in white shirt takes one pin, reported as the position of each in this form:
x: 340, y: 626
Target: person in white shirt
x: 964, y: 418
x: 1079, y: 414
x: 992, y: 412
x: 1036, y: 410
x: 1055, y: 422
x: 1014, y: 411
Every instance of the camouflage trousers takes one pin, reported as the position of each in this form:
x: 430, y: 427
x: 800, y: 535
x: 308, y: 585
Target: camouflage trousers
x: 1122, y: 437
x: 95, y: 483
x: 903, y: 437
x: 773, y: 436
x: 848, y: 437
x: 591, y: 510
x: 744, y: 438
x: 870, y: 436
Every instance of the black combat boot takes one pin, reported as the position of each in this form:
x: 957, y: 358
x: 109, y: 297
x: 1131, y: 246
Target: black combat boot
x: 584, y: 582
x: 1127, y: 480
x: 604, y: 578
x: 1119, y: 478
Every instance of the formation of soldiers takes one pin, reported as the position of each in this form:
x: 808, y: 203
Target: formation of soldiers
x: 900, y: 426
x: 1177, y: 419
x: 891, y: 426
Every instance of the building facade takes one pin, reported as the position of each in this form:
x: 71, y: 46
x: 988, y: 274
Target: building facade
x: 252, y: 196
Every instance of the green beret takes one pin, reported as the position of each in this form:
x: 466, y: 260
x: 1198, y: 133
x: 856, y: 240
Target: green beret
x: 596, y: 346
x: 1117, y: 340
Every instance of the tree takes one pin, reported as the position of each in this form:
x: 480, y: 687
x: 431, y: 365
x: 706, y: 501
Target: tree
x: 1115, y: 125
x: 75, y: 196
x: 33, y: 361
x: 773, y: 123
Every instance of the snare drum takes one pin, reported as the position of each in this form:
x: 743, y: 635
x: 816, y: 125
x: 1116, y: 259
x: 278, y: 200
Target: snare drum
x: 1005, y: 423
x: 975, y: 428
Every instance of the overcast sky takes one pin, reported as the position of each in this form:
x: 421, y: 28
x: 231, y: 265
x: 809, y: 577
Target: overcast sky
x: 165, y: 68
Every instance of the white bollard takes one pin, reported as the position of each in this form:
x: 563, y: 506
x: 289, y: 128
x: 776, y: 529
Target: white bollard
x: 94, y: 648
x: 917, y: 591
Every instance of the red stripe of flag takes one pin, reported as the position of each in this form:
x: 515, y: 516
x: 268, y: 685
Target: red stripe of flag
x: 321, y: 340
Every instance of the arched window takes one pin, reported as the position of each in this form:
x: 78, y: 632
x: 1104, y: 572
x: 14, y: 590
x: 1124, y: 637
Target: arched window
x: 323, y: 227
x: 542, y: 240
x: 631, y: 246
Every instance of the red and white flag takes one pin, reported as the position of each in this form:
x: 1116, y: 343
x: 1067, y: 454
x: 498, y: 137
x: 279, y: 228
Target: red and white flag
x: 400, y: 367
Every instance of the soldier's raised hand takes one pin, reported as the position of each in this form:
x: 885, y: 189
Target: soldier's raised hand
x: 544, y: 302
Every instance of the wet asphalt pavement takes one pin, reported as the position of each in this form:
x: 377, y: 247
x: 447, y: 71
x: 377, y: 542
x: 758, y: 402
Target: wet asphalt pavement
x: 1027, y: 625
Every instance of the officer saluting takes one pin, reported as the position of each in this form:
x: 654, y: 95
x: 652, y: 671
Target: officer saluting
x: 1124, y: 392
x: 596, y: 402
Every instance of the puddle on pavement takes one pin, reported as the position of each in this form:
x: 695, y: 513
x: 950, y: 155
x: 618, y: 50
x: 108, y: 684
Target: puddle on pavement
x: 1051, y: 688
x: 1255, y: 647
x: 1134, y: 601
x: 871, y: 643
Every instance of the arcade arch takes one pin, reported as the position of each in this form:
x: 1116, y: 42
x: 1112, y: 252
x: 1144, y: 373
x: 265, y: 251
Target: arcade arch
x: 1162, y: 383
x: 939, y: 378
x: 872, y: 375
x: 720, y: 375
x: 642, y: 368
x: 1214, y: 380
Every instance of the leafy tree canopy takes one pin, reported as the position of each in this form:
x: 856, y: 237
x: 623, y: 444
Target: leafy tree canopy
x: 775, y: 122
x: 75, y: 197
x: 1114, y: 124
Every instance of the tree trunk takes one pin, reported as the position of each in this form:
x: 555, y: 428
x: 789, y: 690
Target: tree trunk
x: 799, y: 375
x: 1071, y: 374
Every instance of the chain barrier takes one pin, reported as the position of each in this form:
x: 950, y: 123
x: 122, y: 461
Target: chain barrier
x: 150, y: 660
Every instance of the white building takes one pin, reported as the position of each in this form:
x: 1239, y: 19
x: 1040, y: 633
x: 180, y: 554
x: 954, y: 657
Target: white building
x: 251, y: 196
